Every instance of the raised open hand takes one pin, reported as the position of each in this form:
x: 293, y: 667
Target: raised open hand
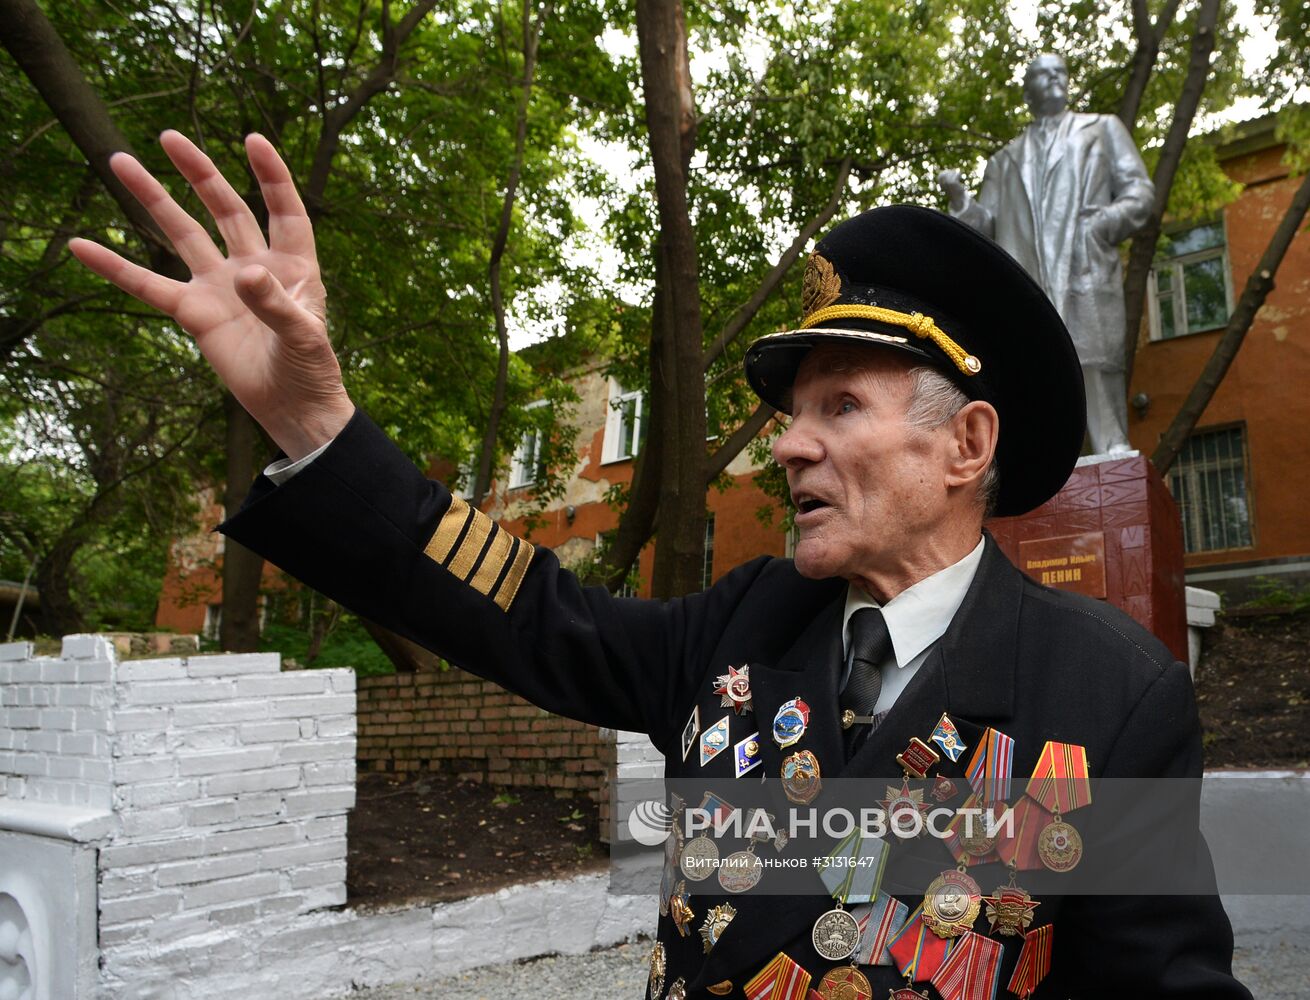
x: 257, y: 315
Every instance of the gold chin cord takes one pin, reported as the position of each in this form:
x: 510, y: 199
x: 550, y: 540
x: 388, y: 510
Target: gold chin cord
x: 917, y: 323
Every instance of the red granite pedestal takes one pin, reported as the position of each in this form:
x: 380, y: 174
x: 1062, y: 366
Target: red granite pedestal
x: 1112, y: 532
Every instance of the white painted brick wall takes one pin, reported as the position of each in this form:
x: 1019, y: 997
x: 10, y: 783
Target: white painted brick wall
x: 55, y: 714
x: 229, y: 781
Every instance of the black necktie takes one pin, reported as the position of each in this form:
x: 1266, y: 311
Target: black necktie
x: 871, y: 647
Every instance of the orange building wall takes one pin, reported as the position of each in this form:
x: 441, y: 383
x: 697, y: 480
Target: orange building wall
x: 1268, y: 386
x: 739, y: 535
x: 194, y: 580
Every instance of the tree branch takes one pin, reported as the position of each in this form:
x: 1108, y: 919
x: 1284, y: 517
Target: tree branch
x: 378, y: 79
x: 1149, y: 39
x: 738, y: 440
x: 1142, y: 250
x: 746, y: 312
x: 41, y: 54
x: 1258, y: 287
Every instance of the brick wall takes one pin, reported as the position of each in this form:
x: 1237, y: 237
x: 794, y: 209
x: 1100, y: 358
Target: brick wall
x: 453, y: 722
x: 55, y: 723
x: 212, y: 791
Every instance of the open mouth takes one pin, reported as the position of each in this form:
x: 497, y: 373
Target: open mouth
x: 808, y: 504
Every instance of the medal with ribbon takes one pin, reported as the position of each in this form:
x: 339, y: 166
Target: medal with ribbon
x: 879, y: 922
x: 990, y: 768
x: 969, y: 835
x: 781, y: 979
x: 972, y: 971
x: 916, y: 951
x: 1034, y: 961
x: 1060, y: 783
x: 836, y: 933
x: 853, y: 871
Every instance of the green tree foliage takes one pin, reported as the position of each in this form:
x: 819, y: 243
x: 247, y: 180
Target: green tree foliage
x: 401, y: 133
x: 401, y: 148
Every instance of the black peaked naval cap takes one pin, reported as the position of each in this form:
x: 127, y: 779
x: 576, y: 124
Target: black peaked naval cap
x: 912, y: 279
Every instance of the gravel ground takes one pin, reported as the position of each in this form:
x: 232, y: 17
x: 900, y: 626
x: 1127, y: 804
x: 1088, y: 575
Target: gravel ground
x: 1278, y: 973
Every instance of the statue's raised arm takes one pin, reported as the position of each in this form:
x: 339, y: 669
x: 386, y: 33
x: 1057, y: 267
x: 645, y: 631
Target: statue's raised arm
x: 258, y: 313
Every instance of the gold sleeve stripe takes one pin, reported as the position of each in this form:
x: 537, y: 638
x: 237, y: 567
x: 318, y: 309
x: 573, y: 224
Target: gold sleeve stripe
x: 470, y: 546
x: 509, y: 587
x: 466, y: 555
x: 498, y: 553
x: 449, y: 530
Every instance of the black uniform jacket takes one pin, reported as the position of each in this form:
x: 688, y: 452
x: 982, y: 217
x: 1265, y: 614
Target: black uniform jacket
x: 361, y: 524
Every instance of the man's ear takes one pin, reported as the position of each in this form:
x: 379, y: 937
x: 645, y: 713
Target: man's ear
x: 974, y: 432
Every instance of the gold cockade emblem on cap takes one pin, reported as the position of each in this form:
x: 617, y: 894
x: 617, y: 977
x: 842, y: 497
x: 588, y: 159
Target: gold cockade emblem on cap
x: 822, y: 285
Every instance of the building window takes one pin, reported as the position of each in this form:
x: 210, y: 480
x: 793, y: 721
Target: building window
x: 623, y: 424
x: 1208, y: 480
x: 213, y: 622
x: 526, y: 467
x: 707, y: 567
x: 1190, y: 290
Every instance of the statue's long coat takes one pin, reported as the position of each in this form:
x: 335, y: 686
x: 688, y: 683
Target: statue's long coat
x: 1093, y: 172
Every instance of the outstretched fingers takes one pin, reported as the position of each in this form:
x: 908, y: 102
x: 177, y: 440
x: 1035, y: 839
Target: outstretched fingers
x: 289, y: 228
x: 188, y: 236
x: 153, y: 289
x: 236, y: 223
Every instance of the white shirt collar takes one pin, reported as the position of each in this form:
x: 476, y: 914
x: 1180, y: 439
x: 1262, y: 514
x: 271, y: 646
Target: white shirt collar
x: 918, y: 616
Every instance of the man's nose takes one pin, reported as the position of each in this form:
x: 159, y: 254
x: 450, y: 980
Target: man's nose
x: 796, y: 446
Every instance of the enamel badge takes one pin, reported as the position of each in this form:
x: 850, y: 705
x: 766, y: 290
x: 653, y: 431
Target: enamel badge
x: 946, y: 736
x: 790, y: 723
x: 734, y: 688
x: 714, y: 741
x: 801, y: 780
x: 746, y: 754
x: 716, y: 922
x: 689, y: 732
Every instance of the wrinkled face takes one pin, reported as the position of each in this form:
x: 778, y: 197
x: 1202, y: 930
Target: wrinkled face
x: 866, y: 485
x: 1046, y: 85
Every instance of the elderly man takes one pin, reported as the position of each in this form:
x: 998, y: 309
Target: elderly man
x: 915, y: 409
x: 1061, y: 198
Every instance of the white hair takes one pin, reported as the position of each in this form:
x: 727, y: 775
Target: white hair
x: 934, y: 400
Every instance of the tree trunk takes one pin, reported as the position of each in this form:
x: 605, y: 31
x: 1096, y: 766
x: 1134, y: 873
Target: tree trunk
x: 1141, y: 252
x: 242, y: 569
x: 60, y: 614
x: 1258, y: 287
x: 487, y: 456
x: 680, y: 391
x: 638, y: 521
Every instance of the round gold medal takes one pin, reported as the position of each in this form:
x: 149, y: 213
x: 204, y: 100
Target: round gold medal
x: 845, y: 983
x: 977, y: 844
x: 1059, y: 846
x: 951, y: 904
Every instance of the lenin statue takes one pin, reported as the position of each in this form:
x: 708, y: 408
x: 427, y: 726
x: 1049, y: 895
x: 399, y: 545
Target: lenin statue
x: 1061, y: 198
